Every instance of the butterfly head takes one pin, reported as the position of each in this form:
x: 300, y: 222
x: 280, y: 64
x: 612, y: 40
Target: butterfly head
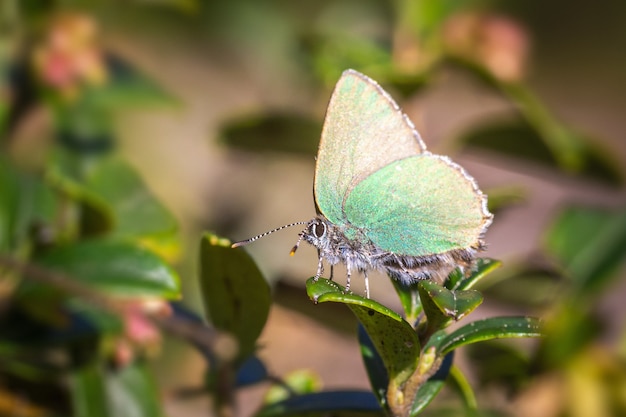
x: 315, y: 234
x: 329, y: 240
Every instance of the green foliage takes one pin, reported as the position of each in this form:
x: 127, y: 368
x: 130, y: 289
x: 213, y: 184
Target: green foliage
x: 235, y: 294
x: 521, y: 140
x: 414, y: 357
x: 489, y: 329
x: 114, y: 267
x: 591, y: 244
x: 83, y: 242
x: 585, y: 247
x: 127, y: 393
x: 277, y: 132
x: 393, y: 338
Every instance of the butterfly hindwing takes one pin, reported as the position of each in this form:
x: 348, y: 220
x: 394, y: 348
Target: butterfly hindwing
x: 419, y: 206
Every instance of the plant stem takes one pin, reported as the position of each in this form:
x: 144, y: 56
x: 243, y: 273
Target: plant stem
x: 400, y: 399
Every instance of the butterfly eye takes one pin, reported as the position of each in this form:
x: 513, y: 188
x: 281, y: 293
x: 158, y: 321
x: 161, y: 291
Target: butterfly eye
x: 318, y: 229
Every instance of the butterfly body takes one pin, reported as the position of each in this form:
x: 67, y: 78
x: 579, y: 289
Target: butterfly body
x: 360, y: 254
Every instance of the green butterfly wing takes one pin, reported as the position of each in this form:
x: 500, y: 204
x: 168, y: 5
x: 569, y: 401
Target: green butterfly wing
x: 374, y: 177
x: 421, y: 205
x: 364, y: 131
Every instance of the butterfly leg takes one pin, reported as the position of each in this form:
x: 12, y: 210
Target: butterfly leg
x: 331, y: 272
x: 401, y: 264
x: 320, y: 267
x: 367, y: 285
x: 348, y: 273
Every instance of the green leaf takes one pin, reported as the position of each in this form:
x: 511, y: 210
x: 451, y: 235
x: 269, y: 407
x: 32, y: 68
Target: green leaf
x: 403, y: 84
x: 377, y: 374
x: 128, y: 392
x: 115, y: 200
x: 520, y: 140
x: 591, y: 244
x: 394, y: 339
x: 500, y: 364
x: 26, y: 206
x: 410, y: 300
x: 132, y: 392
x: 442, y: 306
x: 491, y: 328
x: 502, y: 198
x: 573, y: 152
x: 425, y: 395
x: 25, y: 362
x: 322, y: 290
x: 571, y: 329
x: 336, y: 52
x: 512, y: 138
x: 336, y: 403
x: 89, y: 392
x: 236, y: 296
x: 89, y: 319
x: 374, y: 365
x: 463, y: 387
x: 426, y: 17
x: 128, y: 88
x: 526, y: 284
x: 135, y: 211
x: 291, y: 133
x: 538, y: 136
x: 483, y: 267
x: 115, y: 267
x: 572, y: 229
x: 83, y: 126
x: 9, y: 203
x: 64, y: 175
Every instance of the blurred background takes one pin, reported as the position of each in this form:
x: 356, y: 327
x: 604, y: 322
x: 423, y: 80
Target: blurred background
x: 218, y: 106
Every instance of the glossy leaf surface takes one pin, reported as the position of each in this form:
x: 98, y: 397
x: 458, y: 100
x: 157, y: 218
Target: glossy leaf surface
x: 116, y: 267
x: 591, y: 244
x: 394, y: 339
x: 491, y: 328
x: 458, y: 281
x: 442, y: 306
x: 236, y: 296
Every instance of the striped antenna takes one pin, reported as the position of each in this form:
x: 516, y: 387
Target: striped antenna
x: 252, y: 239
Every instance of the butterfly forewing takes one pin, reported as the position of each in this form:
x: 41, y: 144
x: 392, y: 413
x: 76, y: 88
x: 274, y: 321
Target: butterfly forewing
x: 364, y: 131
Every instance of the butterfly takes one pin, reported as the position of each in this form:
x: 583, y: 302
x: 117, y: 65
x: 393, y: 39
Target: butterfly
x: 383, y: 201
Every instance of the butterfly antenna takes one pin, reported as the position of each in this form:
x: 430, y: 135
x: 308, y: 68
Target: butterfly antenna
x: 252, y: 239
